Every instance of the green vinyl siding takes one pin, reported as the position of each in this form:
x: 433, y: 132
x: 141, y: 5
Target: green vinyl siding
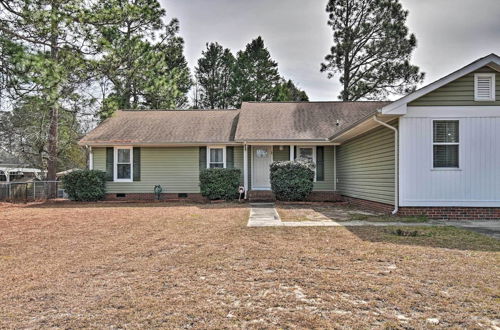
x: 329, y: 182
x: 281, y: 155
x: 238, y: 160
x: 175, y: 169
x: 365, y: 166
x: 458, y: 92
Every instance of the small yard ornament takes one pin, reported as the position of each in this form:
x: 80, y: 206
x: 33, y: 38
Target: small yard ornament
x: 241, y: 190
x: 158, y: 189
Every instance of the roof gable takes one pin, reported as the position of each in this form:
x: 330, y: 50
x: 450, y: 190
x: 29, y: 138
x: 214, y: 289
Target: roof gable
x: 459, y: 92
x: 398, y: 107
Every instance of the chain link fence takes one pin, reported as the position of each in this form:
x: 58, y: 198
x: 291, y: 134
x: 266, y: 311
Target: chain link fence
x: 23, y: 192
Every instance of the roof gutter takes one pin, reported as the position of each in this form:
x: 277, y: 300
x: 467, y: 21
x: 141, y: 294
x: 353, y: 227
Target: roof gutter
x: 396, y: 162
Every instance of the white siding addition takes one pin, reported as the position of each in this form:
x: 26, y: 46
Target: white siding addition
x: 475, y: 183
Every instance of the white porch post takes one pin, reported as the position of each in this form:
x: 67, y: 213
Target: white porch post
x: 335, y: 168
x: 292, y: 152
x: 245, y: 169
x: 91, y: 159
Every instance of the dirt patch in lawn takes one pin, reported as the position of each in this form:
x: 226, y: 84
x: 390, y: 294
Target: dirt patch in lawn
x: 198, y: 266
x: 297, y: 213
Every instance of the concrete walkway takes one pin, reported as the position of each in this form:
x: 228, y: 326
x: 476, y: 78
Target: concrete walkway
x: 265, y: 215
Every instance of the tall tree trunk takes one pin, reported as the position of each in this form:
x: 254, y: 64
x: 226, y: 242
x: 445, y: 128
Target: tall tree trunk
x: 347, y: 67
x: 52, y: 143
x: 54, y: 111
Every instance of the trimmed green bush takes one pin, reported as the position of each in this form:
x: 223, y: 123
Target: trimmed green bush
x: 292, y: 180
x: 220, y: 183
x: 85, y: 185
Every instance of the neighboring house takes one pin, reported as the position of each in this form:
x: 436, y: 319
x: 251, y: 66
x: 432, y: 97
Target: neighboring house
x: 18, y: 173
x: 447, y: 138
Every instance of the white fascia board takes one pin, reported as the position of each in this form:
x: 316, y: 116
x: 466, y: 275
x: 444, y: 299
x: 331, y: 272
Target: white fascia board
x: 394, y: 107
x: 397, y: 111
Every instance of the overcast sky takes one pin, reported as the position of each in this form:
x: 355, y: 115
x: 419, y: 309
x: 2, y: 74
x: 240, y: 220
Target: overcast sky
x: 450, y: 34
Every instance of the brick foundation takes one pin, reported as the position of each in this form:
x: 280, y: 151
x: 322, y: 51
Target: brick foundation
x: 453, y: 213
x: 149, y: 197
x: 369, y: 205
x: 324, y: 196
x: 438, y: 213
x: 315, y: 196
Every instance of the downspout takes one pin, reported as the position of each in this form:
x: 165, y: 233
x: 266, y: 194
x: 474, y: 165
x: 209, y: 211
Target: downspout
x: 245, y: 168
x: 396, y: 162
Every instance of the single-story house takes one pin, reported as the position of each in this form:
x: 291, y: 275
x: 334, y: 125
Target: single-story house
x: 434, y: 152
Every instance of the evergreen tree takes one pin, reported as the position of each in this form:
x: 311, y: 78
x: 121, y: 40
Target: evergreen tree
x: 256, y: 74
x: 141, y: 56
x: 372, y: 49
x: 286, y: 91
x: 214, y: 73
x: 24, y: 133
x: 47, y: 56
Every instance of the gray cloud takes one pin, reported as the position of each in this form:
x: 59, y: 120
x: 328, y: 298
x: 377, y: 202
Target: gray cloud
x: 450, y: 33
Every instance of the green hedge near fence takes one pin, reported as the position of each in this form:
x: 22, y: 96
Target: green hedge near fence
x: 85, y: 185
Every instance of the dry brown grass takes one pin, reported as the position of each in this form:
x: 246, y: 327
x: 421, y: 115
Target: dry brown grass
x: 183, y: 266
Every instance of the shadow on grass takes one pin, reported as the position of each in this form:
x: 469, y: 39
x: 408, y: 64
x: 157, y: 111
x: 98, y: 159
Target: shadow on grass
x: 428, y: 236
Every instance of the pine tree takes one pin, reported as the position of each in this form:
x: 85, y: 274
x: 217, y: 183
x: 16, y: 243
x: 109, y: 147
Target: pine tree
x: 47, y: 66
x: 214, y: 73
x: 256, y: 74
x: 141, y: 56
x: 372, y: 49
x: 286, y: 91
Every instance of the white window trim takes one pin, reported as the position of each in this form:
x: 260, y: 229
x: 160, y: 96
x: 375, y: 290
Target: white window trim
x: 115, y: 164
x: 314, y: 156
x: 458, y: 168
x: 223, y: 154
x: 492, y: 94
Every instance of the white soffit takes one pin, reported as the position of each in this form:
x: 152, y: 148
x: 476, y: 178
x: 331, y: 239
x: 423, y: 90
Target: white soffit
x: 361, y: 128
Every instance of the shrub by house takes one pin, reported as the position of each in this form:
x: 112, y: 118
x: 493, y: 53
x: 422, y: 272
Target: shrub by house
x: 85, y: 185
x: 292, y: 180
x: 220, y: 183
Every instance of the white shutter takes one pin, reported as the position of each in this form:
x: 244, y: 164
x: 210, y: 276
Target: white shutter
x: 484, y: 87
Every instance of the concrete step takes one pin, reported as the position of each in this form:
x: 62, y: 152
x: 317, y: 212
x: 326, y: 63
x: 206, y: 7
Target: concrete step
x: 261, y: 196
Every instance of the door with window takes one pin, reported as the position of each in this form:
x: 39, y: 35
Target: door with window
x: 262, y: 159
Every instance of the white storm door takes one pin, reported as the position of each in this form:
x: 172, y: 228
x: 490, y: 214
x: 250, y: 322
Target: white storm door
x: 262, y: 159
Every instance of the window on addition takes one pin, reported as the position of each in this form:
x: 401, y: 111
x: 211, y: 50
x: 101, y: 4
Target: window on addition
x: 446, y: 143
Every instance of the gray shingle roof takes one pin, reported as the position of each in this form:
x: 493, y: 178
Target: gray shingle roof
x: 165, y: 126
x: 263, y: 121
x: 298, y: 121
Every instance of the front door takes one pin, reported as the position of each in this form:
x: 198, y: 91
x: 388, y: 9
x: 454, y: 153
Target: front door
x: 262, y: 159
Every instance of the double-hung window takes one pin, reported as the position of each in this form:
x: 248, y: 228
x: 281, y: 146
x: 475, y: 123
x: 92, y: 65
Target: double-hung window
x: 216, y: 157
x: 123, y: 164
x: 446, y: 143
x: 307, y: 153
